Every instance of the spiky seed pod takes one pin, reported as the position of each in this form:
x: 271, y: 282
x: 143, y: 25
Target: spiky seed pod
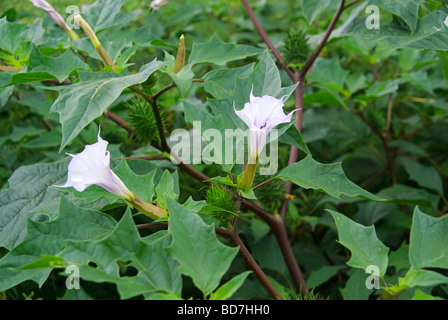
x: 271, y: 195
x: 221, y: 197
x: 141, y: 118
x: 296, y: 50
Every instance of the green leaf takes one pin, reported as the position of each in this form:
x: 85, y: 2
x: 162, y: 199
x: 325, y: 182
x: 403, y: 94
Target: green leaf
x: 428, y: 247
x: 362, y: 242
x: 329, y: 71
x: 218, y: 52
x: 312, y: 9
x: 156, y: 270
x: 29, y: 187
x: 420, y: 295
x: 404, y: 194
x: 405, y: 9
x: 19, y: 133
x: 220, y: 82
x: 226, y: 291
x: 355, y: 288
x: 427, y: 177
x: 5, y: 92
x: 165, y: 189
x: 42, y: 239
x: 10, y: 35
x: 43, y: 67
x: 200, y: 254
x: 400, y: 258
x: 183, y: 78
x: 103, y: 14
x: 328, y: 178
x: 83, y: 102
x: 430, y: 33
x: 322, y: 275
x: 419, y: 278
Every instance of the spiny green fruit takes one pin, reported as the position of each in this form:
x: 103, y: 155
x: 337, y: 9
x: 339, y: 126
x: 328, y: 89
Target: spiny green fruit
x: 141, y: 118
x: 221, y: 197
x: 296, y: 50
x: 270, y: 195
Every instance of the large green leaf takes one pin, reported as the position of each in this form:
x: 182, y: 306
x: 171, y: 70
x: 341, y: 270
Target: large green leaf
x: 430, y: 33
x: 156, y: 270
x: 218, y: 52
x: 420, y: 278
x: 228, y: 289
x: 328, y: 178
x: 425, y: 176
x: 73, y: 223
x: 103, y: 14
x: 200, y: 254
x: 42, y: 67
x: 428, y: 247
x: 312, y: 9
x: 403, y: 194
x: 81, y: 103
x: 30, y: 186
x: 362, y: 242
x: 11, y: 35
x: 405, y: 9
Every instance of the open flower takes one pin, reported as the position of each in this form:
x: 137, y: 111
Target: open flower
x: 261, y: 115
x: 92, y: 166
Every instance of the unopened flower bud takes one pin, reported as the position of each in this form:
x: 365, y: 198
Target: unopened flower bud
x: 42, y: 4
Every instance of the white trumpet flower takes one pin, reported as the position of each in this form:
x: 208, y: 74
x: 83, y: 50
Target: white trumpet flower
x: 92, y: 166
x: 261, y: 115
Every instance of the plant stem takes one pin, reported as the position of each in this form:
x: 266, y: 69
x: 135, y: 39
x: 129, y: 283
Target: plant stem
x: 157, y: 116
x: 112, y: 116
x: 385, y: 141
x: 266, y: 39
x: 170, y: 86
x: 236, y: 240
x: 324, y: 40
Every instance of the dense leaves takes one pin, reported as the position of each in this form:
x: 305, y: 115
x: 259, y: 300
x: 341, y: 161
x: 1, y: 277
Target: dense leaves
x: 357, y: 205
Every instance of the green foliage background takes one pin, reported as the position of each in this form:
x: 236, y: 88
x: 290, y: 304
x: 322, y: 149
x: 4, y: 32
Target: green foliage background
x: 370, y: 187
